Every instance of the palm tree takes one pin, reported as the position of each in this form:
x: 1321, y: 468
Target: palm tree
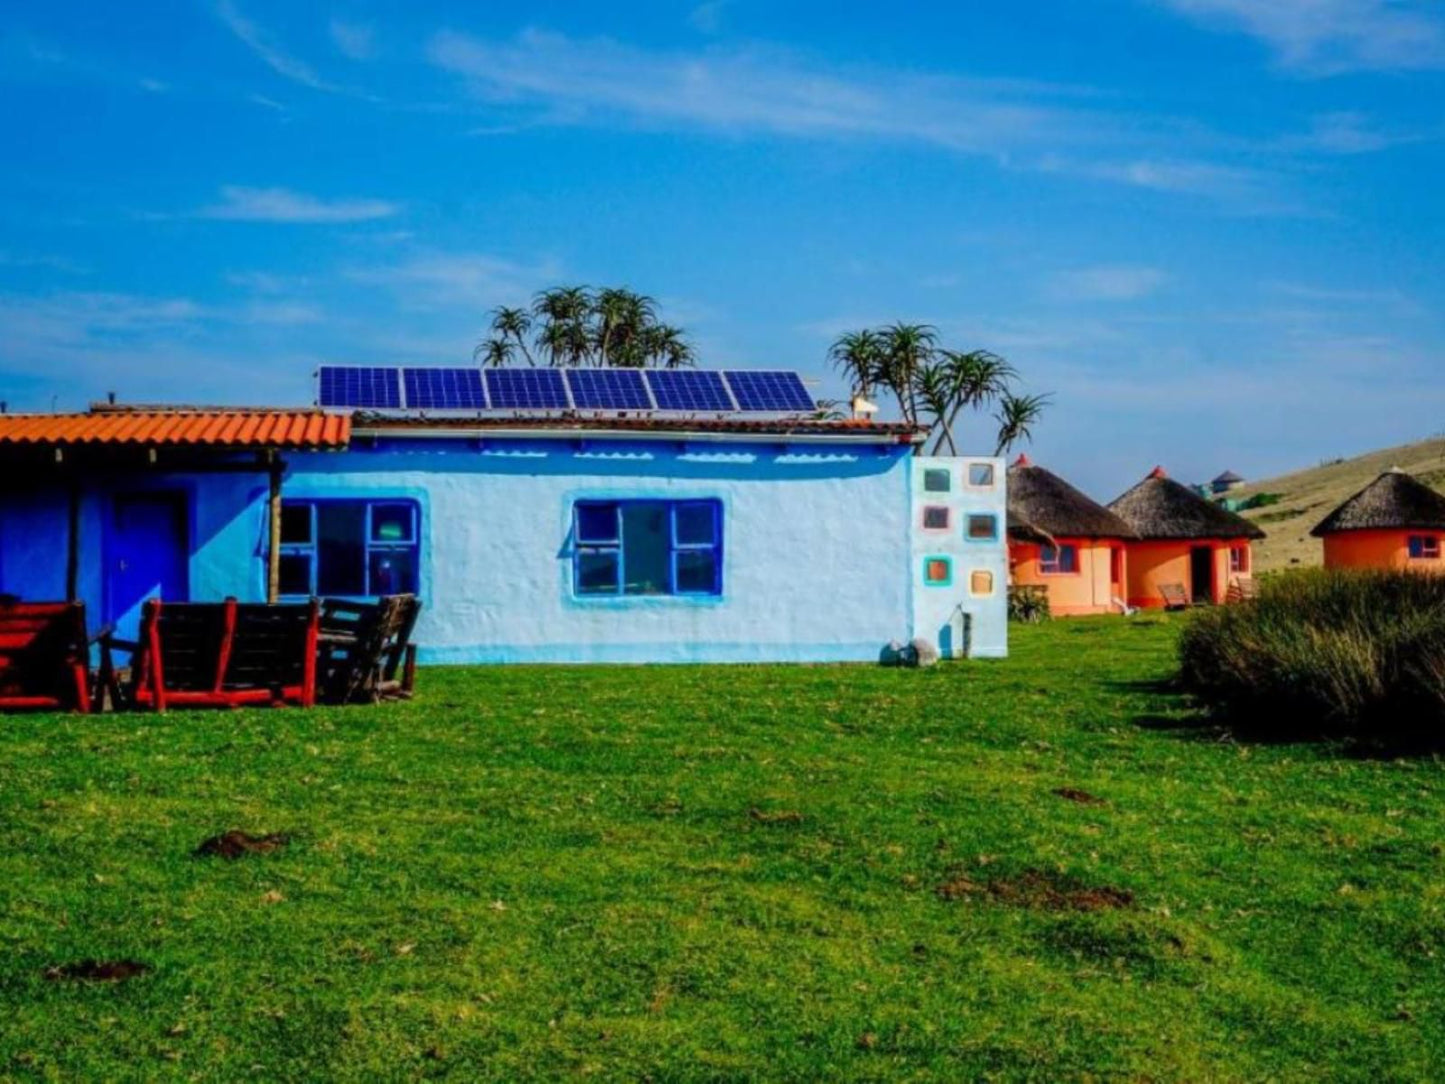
x: 562, y: 315
x: 907, y: 348
x: 858, y: 355
x: 510, y: 328
x: 665, y: 344
x: 936, y: 390
x: 977, y: 378
x: 1016, y: 417
x: 621, y: 317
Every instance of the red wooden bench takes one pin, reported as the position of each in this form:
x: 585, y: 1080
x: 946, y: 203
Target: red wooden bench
x: 220, y: 654
x: 43, y: 656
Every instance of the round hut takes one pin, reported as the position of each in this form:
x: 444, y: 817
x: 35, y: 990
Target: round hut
x: 1394, y: 522
x: 1063, y: 542
x: 1188, y: 549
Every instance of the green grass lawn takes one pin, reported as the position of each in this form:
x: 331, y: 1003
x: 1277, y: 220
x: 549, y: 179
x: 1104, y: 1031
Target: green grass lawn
x: 704, y: 873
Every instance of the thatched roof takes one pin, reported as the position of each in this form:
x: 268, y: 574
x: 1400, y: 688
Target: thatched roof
x: 1043, y: 507
x: 1159, y: 507
x: 1392, y: 501
x: 1228, y: 478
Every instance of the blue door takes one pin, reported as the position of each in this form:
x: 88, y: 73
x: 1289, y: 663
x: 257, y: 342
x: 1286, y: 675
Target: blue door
x: 146, y: 556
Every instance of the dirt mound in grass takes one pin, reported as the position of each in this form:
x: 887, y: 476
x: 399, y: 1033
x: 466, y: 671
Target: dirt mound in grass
x: 235, y: 844
x: 1083, y: 797
x: 1039, y: 890
x: 98, y: 970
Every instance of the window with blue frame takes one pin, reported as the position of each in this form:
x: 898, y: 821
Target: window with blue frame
x: 647, y: 548
x: 350, y: 548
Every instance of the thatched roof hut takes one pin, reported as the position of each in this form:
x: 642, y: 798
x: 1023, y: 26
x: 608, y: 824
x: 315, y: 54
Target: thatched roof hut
x: 1043, y: 507
x: 1161, y: 508
x: 1393, y: 501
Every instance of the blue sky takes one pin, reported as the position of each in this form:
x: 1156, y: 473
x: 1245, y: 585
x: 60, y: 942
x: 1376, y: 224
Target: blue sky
x: 1211, y: 228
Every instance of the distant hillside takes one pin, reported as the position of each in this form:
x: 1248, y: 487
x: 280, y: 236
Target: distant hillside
x: 1307, y: 496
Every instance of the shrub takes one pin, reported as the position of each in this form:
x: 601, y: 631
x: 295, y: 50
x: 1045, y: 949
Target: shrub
x: 1326, y: 654
x: 1028, y: 603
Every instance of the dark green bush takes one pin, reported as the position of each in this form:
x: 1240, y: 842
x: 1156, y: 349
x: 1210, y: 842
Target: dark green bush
x: 1326, y: 654
x: 1028, y: 603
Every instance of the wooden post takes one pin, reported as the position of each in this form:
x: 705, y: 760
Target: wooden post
x: 273, y: 555
x: 72, y: 555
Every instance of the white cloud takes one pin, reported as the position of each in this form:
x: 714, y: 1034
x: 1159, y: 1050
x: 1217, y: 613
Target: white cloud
x: 154, y: 86
x: 756, y: 90
x: 355, y: 41
x: 260, y: 43
x: 477, y: 281
x: 242, y: 204
x: 1345, y: 132
x: 1330, y: 36
x: 1107, y: 283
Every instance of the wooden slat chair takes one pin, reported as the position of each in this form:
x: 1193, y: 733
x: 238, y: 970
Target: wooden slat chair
x: 366, y: 649
x: 220, y: 654
x: 1174, y: 596
x: 44, y: 656
x: 1242, y: 589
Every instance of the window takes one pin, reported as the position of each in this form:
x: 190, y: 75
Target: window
x: 980, y: 583
x: 1058, y: 560
x: 935, y: 518
x: 1424, y: 547
x: 647, y: 548
x: 936, y: 480
x: 1239, y: 559
x: 983, y: 528
x: 350, y: 548
x: 980, y: 475
x: 937, y: 571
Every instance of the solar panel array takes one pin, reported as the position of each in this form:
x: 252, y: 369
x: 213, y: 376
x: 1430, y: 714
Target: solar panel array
x: 688, y: 391
x: 526, y: 389
x: 771, y: 391
x: 444, y: 389
x: 608, y: 389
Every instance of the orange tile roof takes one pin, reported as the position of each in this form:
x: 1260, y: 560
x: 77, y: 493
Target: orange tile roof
x: 219, y: 428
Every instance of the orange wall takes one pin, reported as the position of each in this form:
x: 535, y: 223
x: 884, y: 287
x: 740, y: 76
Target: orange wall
x: 1154, y: 563
x: 1087, y: 591
x: 1375, y: 549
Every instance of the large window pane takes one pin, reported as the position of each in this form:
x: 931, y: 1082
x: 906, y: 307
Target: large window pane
x: 697, y: 571
x: 341, y: 548
x: 695, y: 524
x: 645, y: 548
x: 296, y: 574
x: 597, y: 573
x: 393, y: 572
x: 295, y: 523
x: 391, y: 523
x: 596, y: 523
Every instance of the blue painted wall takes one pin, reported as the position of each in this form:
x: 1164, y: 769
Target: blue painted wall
x: 816, y: 541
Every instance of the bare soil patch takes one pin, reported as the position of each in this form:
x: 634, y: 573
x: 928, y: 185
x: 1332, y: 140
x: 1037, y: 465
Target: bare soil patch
x: 1038, y: 890
x: 236, y: 844
x: 97, y: 971
x: 1083, y: 797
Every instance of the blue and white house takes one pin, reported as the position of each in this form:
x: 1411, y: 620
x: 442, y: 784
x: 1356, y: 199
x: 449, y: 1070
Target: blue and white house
x: 541, y: 516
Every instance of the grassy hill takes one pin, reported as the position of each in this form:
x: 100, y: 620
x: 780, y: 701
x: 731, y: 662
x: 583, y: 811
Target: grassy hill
x: 1307, y: 496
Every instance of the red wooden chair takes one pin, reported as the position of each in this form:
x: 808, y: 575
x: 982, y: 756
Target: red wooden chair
x: 44, y: 656
x: 221, y: 654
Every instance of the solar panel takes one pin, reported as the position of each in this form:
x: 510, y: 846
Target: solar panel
x: 689, y: 389
x: 775, y: 392
x: 347, y: 386
x: 526, y: 389
x: 608, y: 389
x: 444, y: 389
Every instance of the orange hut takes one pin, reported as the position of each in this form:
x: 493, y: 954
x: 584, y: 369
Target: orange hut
x: 1394, y: 522
x: 1066, y: 543
x: 1183, y: 541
